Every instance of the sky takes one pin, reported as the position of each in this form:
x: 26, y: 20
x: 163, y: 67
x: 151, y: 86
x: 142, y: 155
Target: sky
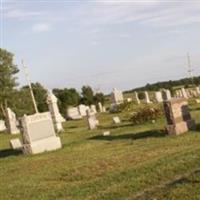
x: 109, y: 44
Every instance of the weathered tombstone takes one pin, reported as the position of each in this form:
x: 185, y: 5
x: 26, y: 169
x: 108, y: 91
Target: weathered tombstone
x: 82, y: 110
x: 178, y: 116
x: 55, y: 114
x: 116, y: 120
x: 117, y: 97
x: 147, y: 100
x: 129, y: 100
x: 198, y: 90
x: 100, y: 107
x: 38, y: 134
x: 91, y: 119
x: 11, y: 122
x: 158, y: 96
x: 106, y: 133
x: 104, y: 109
x: 73, y: 113
x: 93, y: 109
x: 184, y: 94
x: 166, y: 95
x: 137, y: 98
x: 2, y: 125
x: 16, y: 143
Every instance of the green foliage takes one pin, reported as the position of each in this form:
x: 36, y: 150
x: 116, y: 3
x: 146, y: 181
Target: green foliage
x: 141, y: 95
x: 146, y: 114
x: 8, y: 70
x: 99, y: 97
x: 87, y: 95
x: 67, y: 97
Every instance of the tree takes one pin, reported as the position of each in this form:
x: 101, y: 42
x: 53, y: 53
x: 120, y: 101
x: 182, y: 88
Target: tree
x: 40, y: 94
x: 67, y: 97
x: 99, y: 97
x: 87, y: 95
x: 8, y: 70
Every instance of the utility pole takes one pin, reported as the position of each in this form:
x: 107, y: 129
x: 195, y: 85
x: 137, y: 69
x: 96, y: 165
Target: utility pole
x: 30, y: 87
x: 190, y: 70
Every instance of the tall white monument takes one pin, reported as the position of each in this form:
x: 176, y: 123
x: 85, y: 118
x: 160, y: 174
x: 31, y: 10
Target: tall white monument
x: 11, y: 122
x: 158, y: 96
x: 137, y: 98
x: 53, y: 108
x: 117, y: 96
x: 147, y: 99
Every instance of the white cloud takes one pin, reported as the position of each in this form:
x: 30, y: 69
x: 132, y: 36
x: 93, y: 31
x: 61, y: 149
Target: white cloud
x: 41, y: 27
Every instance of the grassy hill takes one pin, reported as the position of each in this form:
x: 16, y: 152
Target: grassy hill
x: 134, y: 162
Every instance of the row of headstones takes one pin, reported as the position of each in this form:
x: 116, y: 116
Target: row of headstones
x: 117, y: 97
x: 160, y: 96
x: 81, y: 111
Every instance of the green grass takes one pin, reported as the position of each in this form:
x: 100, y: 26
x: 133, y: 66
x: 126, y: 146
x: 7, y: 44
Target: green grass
x: 134, y: 162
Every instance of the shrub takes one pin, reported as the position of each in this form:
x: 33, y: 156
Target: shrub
x: 146, y: 114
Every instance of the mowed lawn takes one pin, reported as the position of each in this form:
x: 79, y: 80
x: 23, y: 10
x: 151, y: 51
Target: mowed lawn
x: 134, y: 162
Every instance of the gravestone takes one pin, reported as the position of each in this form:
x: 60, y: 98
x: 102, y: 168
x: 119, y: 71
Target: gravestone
x: 117, y: 97
x: 147, y: 99
x: 93, y: 109
x: 16, y: 143
x: 38, y: 134
x: 198, y: 90
x: 129, y: 100
x: 106, y: 133
x: 11, y: 122
x: 92, y: 120
x: 100, y: 107
x: 55, y: 114
x: 82, y: 110
x: 166, y: 95
x: 137, y: 98
x: 178, y: 116
x: 158, y: 96
x: 73, y: 113
x: 2, y: 125
x: 116, y: 120
x: 184, y: 94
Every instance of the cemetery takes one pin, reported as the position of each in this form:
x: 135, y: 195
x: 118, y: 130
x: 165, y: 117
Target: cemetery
x: 99, y: 100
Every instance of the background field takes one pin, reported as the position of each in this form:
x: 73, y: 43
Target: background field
x: 135, y: 162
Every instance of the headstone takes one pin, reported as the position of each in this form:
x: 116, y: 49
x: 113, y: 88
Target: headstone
x: 100, y: 107
x: 147, y: 100
x: 137, y: 98
x: 2, y: 125
x: 116, y: 120
x: 104, y: 109
x: 11, y: 122
x: 82, y: 110
x: 106, y: 133
x: 158, y: 96
x: 198, y: 90
x: 55, y: 114
x: 178, y: 116
x: 184, y: 94
x: 117, y: 96
x: 166, y: 95
x: 38, y: 134
x: 16, y: 143
x: 73, y: 113
x: 92, y: 120
x: 129, y: 100
x: 93, y: 109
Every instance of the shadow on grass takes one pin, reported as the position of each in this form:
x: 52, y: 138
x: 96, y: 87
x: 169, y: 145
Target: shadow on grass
x: 9, y: 152
x: 196, y: 127
x: 133, y: 136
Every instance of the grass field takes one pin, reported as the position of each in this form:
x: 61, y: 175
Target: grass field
x: 134, y: 162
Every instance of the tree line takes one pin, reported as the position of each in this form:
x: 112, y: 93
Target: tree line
x: 19, y: 99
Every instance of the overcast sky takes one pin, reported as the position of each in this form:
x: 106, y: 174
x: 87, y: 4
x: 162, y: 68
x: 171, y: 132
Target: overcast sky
x: 105, y: 44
